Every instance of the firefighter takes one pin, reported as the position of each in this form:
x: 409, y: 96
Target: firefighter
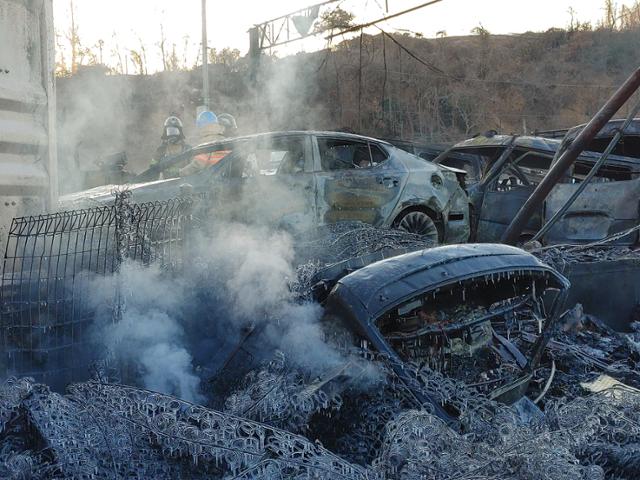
x: 209, y: 130
x: 173, y: 143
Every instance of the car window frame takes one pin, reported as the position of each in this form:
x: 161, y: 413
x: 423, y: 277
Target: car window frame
x: 306, y: 148
x: 318, y: 157
x: 513, y: 165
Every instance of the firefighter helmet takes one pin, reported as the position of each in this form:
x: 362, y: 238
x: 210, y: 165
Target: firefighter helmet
x: 227, y: 121
x: 206, y: 118
x: 172, y: 130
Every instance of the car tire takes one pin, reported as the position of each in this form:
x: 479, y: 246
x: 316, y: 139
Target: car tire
x: 421, y: 224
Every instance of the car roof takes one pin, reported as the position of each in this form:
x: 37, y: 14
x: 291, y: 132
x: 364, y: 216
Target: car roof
x: 381, y: 285
x: 544, y: 144
x: 609, y: 130
x: 319, y: 133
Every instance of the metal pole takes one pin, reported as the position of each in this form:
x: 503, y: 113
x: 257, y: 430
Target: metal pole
x: 556, y: 172
x: 205, y: 59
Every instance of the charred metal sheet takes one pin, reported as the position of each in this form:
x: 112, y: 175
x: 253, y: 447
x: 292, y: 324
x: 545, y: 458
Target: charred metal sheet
x: 608, y: 290
x: 628, y: 146
x: 541, y: 144
x: 603, y: 279
x: 602, y: 209
x: 48, y: 262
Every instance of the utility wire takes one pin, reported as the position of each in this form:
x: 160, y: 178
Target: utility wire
x: 383, y: 19
x: 429, y: 65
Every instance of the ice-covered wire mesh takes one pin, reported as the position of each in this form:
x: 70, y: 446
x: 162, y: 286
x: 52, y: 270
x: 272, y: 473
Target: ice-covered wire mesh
x: 49, y: 259
x: 322, y: 247
x: 559, y: 256
x: 344, y: 240
x: 112, y: 431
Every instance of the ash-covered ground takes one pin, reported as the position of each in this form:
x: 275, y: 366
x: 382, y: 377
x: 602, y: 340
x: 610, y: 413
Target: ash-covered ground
x: 227, y: 372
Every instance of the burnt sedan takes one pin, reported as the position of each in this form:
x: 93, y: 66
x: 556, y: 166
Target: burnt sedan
x: 324, y: 176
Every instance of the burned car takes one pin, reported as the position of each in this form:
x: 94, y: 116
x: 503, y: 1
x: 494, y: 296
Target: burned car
x: 502, y: 172
x: 324, y: 176
x: 609, y: 203
x: 461, y: 310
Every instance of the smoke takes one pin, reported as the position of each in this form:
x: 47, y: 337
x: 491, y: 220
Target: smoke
x: 172, y: 332
x: 252, y: 268
x: 234, y: 296
x: 148, y: 336
x: 100, y: 114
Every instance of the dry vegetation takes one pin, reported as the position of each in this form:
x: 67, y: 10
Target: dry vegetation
x: 439, y: 89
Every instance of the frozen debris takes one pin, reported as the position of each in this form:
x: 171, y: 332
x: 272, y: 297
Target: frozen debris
x: 561, y: 255
x: 344, y: 240
x: 605, y: 383
x: 112, y: 431
x: 582, y: 354
x: 280, y: 396
x: 325, y: 249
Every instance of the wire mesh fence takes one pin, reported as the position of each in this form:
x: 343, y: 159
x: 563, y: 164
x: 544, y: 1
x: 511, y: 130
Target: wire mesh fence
x: 49, y: 264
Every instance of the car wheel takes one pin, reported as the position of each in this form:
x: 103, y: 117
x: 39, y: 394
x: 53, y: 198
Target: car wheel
x: 421, y: 224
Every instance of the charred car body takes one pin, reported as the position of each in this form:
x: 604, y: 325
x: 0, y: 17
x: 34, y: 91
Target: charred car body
x: 609, y: 203
x: 453, y: 309
x: 504, y: 170
x: 480, y: 313
x: 326, y: 176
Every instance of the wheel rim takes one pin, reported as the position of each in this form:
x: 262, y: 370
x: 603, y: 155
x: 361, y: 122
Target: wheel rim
x: 421, y: 224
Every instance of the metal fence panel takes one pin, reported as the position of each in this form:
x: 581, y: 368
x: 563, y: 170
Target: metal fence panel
x: 49, y: 263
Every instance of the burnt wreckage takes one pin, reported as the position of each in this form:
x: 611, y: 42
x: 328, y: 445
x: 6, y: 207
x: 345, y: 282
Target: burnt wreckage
x: 458, y: 345
x: 457, y: 309
x: 327, y: 177
x: 504, y: 170
x: 450, y: 331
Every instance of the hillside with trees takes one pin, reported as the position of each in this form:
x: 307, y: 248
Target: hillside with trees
x: 389, y: 85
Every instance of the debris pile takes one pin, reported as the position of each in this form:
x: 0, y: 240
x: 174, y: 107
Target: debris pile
x: 327, y: 248
x: 365, y: 418
x: 112, y: 431
x: 561, y: 255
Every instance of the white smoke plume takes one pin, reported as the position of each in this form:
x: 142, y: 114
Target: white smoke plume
x: 148, y: 337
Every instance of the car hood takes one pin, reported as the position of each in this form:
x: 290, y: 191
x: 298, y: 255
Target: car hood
x: 105, y: 194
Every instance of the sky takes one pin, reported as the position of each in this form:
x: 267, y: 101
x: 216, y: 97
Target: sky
x: 126, y: 24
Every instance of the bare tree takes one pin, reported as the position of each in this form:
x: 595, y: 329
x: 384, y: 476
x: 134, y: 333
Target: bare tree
x: 163, y: 53
x: 336, y: 19
x: 610, y: 15
x: 73, y: 38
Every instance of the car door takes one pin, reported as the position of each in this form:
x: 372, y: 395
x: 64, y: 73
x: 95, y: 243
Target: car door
x: 356, y: 180
x: 269, y: 179
x: 507, y: 191
x: 602, y: 209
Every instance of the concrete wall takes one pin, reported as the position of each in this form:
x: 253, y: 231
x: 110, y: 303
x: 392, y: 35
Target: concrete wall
x: 28, y: 166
